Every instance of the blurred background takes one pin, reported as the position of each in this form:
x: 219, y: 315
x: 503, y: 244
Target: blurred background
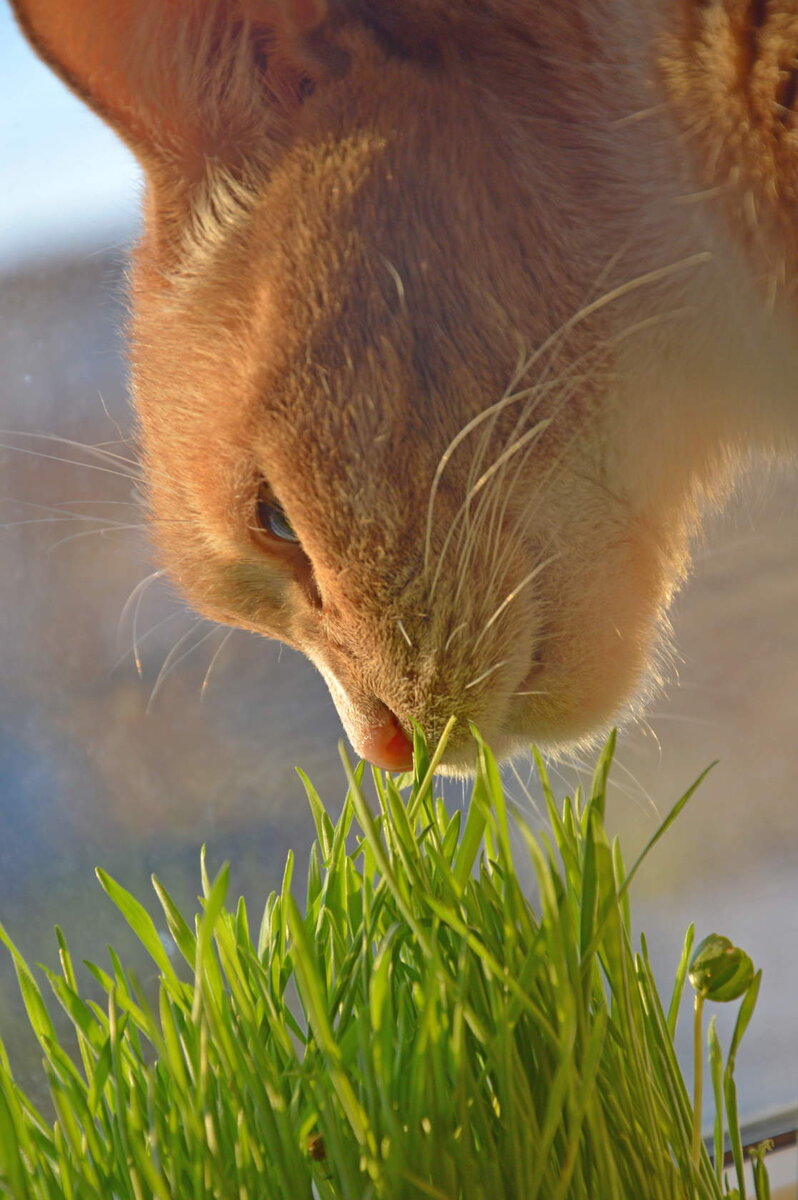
x: 131, y: 733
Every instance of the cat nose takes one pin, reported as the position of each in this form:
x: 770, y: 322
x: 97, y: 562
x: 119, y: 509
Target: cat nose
x: 386, y: 745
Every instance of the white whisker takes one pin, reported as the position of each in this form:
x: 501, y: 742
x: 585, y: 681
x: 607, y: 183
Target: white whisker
x: 492, y: 511
x: 48, y: 521
x: 649, y: 729
x: 642, y: 114
x: 70, y: 462
x: 683, y: 718
x: 463, y: 509
x: 508, y: 599
x: 135, y: 649
x: 403, y: 631
x: 495, y: 509
x: 525, y: 789
x: 637, y: 790
x: 656, y: 275
x: 98, y: 451
x: 113, y: 420
x: 485, y: 674
x: 135, y: 598
x: 60, y: 512
x: 59, y: 507
x: 507, y: 454
x: 141, y: 586
x: 174, y: 658
x: 217, y: 652
x: 116, y: 527
x: 453, y: 635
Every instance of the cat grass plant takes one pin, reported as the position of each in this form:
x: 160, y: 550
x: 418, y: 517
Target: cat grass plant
x: 416, y: 1027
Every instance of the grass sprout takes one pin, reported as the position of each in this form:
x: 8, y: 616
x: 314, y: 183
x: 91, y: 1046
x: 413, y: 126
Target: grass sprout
x: 415, y: 1027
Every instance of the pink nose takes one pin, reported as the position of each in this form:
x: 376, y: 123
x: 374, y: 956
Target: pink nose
x: 386, y: 745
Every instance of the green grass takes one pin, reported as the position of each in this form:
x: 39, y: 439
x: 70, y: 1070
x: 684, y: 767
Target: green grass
x: 415, y: 1028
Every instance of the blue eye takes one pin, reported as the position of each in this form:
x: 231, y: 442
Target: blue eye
x: 271, y: 518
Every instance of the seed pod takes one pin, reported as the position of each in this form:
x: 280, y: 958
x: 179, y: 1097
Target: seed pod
x: 719, y: 970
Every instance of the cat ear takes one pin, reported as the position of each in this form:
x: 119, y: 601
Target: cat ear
x: 176, y: 76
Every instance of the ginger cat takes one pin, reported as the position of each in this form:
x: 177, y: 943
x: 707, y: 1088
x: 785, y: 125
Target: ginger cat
x: 448, y: 318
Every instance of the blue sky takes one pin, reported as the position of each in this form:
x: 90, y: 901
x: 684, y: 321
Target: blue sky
x: 66, y: 183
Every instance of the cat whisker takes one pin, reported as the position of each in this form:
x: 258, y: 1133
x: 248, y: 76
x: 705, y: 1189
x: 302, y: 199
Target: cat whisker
x: 61, y: 515
x: 637, y: 791
x: 585, y: 771
x: 656, y: 275
x: 493, y: 511
x: 137, y: 591
x: 534, y: 392
x: 112, y: 420
x: 574, y: 382
x: 553, y: 769
x: 493, y: 410
x: 80, y: 500
x: 71, y: 462
x: 45, y: 521
x: 508, y: 599
x: 526, y: 791
x: 99, y: 451
x: 533, y: 396
x: 457, y: 629
x: 134, y: 649
x: 174, y: 657
x: 403, y: 631
x: 519, y: 444
x: 491, y: 515
x: 642, y: 114
x: 683, y: 718
x: 60, y: 511
x: 481, y: 517
x: 172, y: 662
x: 648, y: 728
x: 485, y: 674
x: 135, y: 598
x: 116, y: 527
x: 216, y: 654
x: 120, y: 441
x: 470, y: 496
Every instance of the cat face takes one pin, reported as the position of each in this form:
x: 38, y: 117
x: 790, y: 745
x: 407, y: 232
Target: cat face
x: 418, y: 327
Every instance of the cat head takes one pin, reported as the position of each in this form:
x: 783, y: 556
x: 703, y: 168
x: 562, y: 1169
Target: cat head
x: 416, y: 336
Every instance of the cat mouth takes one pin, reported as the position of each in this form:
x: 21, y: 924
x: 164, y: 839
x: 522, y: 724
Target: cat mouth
x: 505, y: 723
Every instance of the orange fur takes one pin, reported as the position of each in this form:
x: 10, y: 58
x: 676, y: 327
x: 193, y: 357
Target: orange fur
x: 493, y: 296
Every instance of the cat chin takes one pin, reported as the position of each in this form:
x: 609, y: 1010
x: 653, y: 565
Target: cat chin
x: 573, y: 712
x: 555, y: 744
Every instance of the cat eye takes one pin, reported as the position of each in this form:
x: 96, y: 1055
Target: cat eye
x: 273, y: 531
x: 271, y: 519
